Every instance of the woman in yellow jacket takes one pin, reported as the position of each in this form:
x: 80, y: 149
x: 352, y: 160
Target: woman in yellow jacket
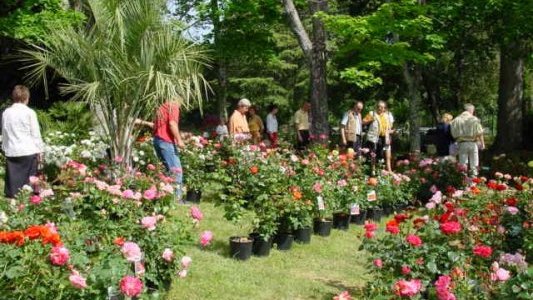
x: 256, y: 125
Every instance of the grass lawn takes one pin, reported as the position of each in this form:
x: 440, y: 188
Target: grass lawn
x: 318, y: 270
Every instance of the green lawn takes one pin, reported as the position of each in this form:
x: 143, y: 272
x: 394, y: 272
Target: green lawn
x: 318, y: 270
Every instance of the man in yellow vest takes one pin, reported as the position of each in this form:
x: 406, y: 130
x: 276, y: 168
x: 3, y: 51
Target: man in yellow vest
x: 468, y: 132
x: 352, y: 127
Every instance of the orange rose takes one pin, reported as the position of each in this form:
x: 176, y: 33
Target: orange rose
x: 33, y: 232
x: 372, y: 181
x: 297, y: 195
x: 254, y: 170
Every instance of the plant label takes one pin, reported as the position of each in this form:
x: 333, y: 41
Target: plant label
x: 321, y: 205
x: 354, y: 209
x: 371, y: 196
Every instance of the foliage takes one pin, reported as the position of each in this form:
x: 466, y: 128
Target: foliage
x: 72, y: 117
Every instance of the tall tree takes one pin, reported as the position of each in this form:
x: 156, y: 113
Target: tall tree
x: 314, y: 49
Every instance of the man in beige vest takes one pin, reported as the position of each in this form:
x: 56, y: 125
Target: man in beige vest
x: 468, y: 132
x: 352, y: 127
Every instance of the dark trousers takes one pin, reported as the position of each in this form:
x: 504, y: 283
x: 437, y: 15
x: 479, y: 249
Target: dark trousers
x: 377, y: 148
x: 301, y: 145
x: 18, y: 172
x: 356, y: 145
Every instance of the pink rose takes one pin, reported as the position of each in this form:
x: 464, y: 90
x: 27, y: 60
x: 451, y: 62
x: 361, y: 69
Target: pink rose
x: 168, y: 255
x: 76, y: 280
x: 34, y: 180
x: 131, y: 251
x: 437, y: 197
x: 378, y: 263
x: 407, y: 288
x: 443, y: 287
x: 128, y: 194
x: 317, y: 187
x: 35, y: 199
x: 196, y: 213
x: 205, y: 238
x: 414, y: 240
x: 186, y: 262
x: 119, y: 159
x: 150, y: 167
x: 59, y: 255
x: 502, y: 274
x: 406, y: 270
x: 150, y: 194
x: 343, y: 296
x: 342, y: 183
x: 131, y: 286
x: 46, y: 193
x: 182, y: 273
x: 430, y: 205
x: 149, y: 222
x: 512, y: 210
x: 51, y: 227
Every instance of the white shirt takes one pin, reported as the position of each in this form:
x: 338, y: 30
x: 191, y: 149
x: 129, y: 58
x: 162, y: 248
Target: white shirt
x: 222, y: 131
x: 21, y: 135
x: 271, y: 123
x: 358, y: 122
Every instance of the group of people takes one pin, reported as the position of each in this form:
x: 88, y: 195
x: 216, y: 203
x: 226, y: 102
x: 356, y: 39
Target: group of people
x: 23, y: 145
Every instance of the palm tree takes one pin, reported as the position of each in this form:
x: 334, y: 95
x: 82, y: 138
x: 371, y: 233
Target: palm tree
x: 124, y: 62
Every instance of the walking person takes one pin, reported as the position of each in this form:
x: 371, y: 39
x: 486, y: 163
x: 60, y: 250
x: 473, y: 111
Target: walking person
x: 272, y: 125
x: 21, y: 141
x: 379, y: 132
x: 352, y: 128
x: 444, y: 138
x: 255, y: 124
x: 222, y: 129
x: 167, y: 141
x: 468, y: 132
x: 238, y: 125
x: 301, y: 121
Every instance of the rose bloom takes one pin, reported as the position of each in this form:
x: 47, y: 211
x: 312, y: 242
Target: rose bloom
x: 407, y: 288
x: 59, y: 255
x: 343, y: 296
x: 46, y: 193
x: 512, y: 210
x: 392, y: 227
x: 196, y: 213
x: 182, y: 273
x: 414, y: 240
x: 150, y: 194
x: 149, y: 222
x: 131, y: 251
x: 401, y: 218
x: 131, y: 286
x: 35, y: 199
x: 406, y: 270
x: 76, y: 280
x: 128, y: 194
x: 150, y: 167
x: 500, y: 274
x: 205, y: 238
x: 371, y: 227
x: 168, y: 255
x: 370, y: 234
x: 450, y: 227
x: 186, y: 262
x: 378, y: 263
x: 119, y: 241
x: 482, y: 251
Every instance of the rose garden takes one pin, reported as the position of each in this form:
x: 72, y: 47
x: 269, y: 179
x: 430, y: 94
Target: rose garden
x: 105, y: 218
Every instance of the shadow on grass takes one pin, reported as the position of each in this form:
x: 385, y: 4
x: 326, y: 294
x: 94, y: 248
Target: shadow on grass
x: 219, y: 247
x: 355, y: 291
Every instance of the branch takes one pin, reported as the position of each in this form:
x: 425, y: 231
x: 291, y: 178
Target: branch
x: 298, y: 28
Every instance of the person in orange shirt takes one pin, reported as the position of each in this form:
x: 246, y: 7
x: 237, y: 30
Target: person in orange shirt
x: 255, y: 125
x: 238, y: 125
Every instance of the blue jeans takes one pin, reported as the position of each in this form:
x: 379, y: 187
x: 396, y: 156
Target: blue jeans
x: 168, y: 153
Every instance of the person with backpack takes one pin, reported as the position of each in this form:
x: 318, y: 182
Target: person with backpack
x: 378, y: 135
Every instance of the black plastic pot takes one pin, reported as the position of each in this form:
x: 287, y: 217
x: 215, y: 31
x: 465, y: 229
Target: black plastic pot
x: 387, y: 210
x: 284, y: 241
x: 193, y: 196
x: 341, y: 221
x: 360, y: 218
x: 303, y: 235
x: 240, y: 247
x: 322, y: 227
x: 374, y: 214
x: 261, y: 247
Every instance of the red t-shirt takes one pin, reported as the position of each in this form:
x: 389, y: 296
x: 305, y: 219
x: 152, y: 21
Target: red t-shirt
x: 167, y: 112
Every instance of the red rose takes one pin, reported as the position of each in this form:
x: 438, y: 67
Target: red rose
x: 511, y: 201
x: 119, y: 241
x: 401, y: 217
x: 482, y: 251
x: 371, y: 227
x: 519, y: 187
x: 406, y: 270
x: 414, y: 240
x: 392, y: 227
x: 476, y: 180
x: 450, y: 227
x: 501, y: 187
x: 492, y: 184
x: 449, y: 206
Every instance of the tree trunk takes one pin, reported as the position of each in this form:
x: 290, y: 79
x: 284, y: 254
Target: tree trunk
x: 411, y: 74
x: 510, y: 102
x: 315, y: 52
x: 319, y: 95
x: 433, y: 92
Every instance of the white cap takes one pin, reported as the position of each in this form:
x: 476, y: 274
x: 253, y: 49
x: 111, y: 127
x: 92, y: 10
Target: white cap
x: 244, y: 102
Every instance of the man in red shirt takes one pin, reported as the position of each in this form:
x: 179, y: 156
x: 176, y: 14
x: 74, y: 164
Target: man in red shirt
x: 167, y: 140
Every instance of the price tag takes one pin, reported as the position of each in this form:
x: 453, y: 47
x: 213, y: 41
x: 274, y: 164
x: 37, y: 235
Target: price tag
x: 354, y: 209
x: 371, y: 196
x: 321, y: 205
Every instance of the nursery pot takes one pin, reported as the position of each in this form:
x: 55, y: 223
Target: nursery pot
x: 194, y: 196
x: 341, y: 221
x: 240, y: 247
x: 284, y: 241
x: 374, y: 214
x: 260, y: 247
x: 303, y: 235
x: 387, y: 210
x: 322, y: 227
x: 360, y: 218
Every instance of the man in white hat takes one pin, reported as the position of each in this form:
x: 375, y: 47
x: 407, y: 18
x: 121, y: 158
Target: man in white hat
x: 238, y: 125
